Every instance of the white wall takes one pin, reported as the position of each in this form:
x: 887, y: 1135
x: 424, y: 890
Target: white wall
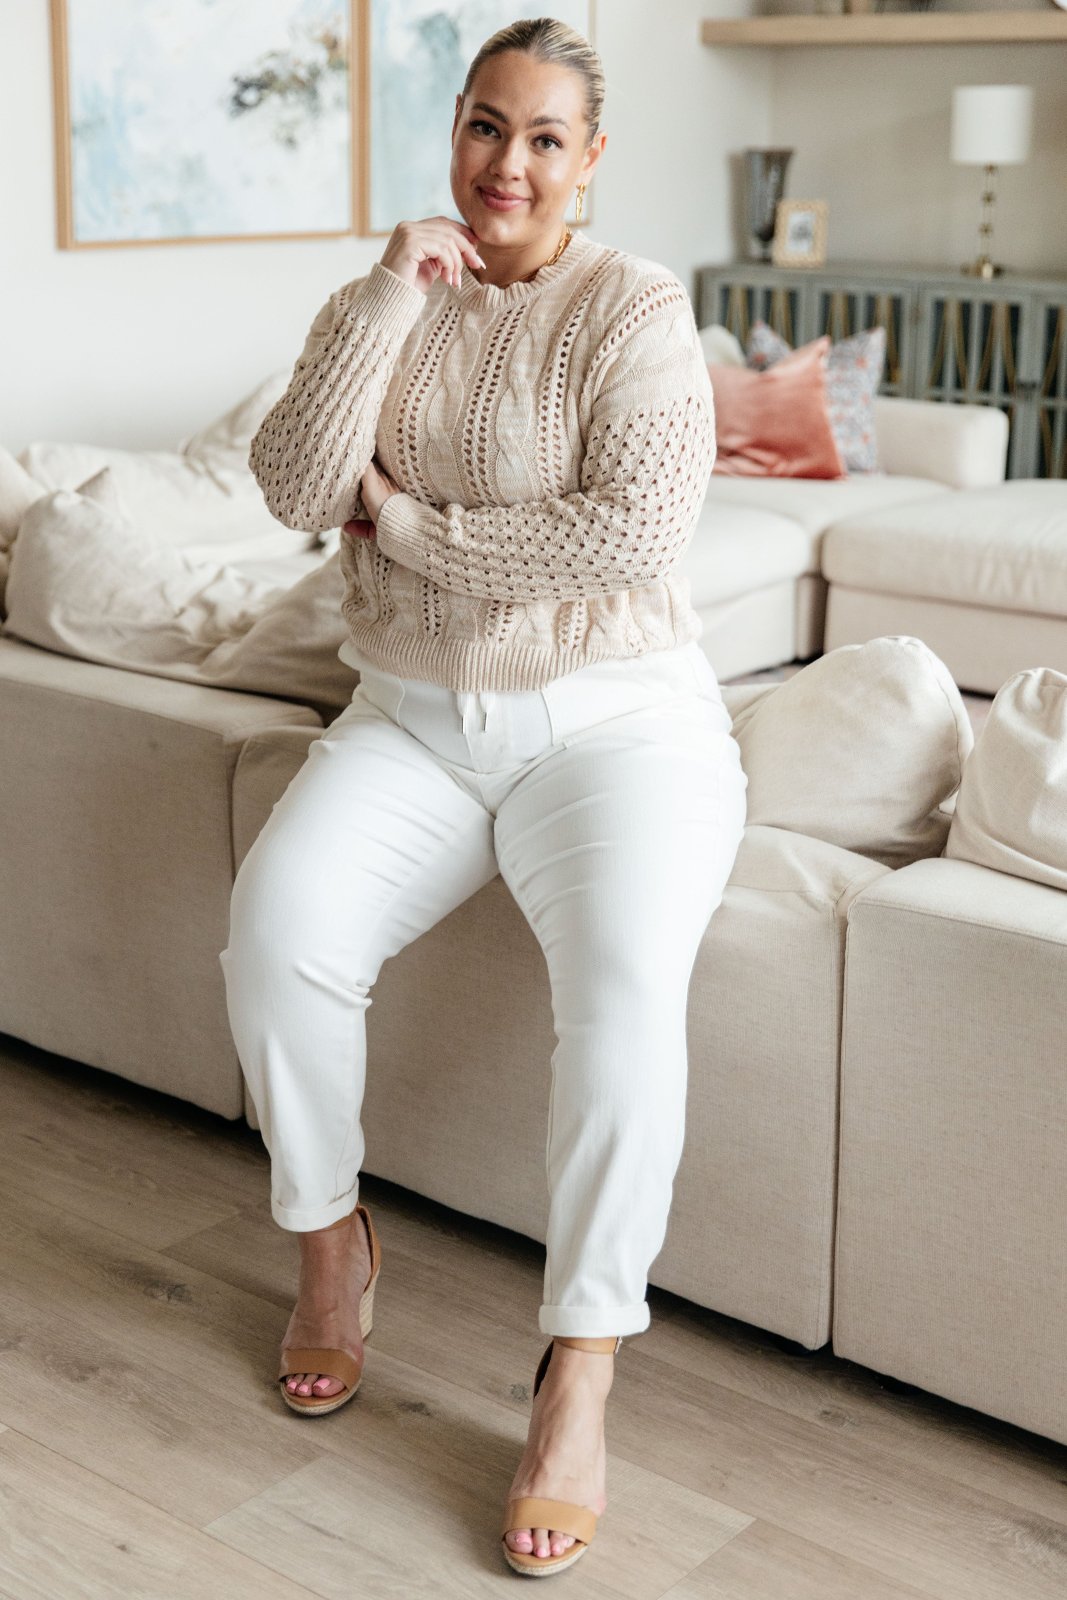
x: 870, y: 128
x: 137, y: 347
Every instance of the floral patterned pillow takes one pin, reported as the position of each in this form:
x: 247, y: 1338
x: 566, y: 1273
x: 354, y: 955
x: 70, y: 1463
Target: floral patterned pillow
x: 853, y: 373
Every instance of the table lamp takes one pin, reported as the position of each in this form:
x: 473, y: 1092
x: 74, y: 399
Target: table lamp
x: 990, y: 127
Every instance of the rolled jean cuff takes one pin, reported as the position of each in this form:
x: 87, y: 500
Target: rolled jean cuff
x: 594, y: 1322
x: 302, y: 1219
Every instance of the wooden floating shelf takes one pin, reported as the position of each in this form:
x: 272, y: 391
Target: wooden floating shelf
x: 926, y: 27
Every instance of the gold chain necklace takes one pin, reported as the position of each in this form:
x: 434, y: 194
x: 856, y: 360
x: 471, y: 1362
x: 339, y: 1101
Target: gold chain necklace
x: 554, y: 257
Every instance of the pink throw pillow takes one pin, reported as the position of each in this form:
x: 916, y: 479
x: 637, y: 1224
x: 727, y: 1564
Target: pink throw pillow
x: 776, y: 424
x: 854, y: 370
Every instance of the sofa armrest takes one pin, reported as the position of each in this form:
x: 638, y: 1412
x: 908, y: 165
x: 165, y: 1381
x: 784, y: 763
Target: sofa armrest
x: 230, y: 714
x: 116, y: 859
x: 963, y: 446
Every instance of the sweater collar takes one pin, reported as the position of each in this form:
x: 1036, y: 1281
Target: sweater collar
x: 491, y: 296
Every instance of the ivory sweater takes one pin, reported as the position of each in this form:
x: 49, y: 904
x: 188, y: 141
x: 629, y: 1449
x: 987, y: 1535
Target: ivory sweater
x: 553, y: 440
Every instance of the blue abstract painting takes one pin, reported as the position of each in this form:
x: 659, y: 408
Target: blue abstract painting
x: 208, y: 118
x: 419, y: 54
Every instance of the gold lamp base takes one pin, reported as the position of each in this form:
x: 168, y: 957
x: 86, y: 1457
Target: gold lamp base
x: 982, y: 268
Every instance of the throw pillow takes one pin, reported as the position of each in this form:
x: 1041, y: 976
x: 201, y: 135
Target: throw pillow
x: 859, y: 748
x: 719, y: 344
x: 18, y: 491
x: 1011, y: 811
x: 853, y: 372
x: 87, y: 582
x: 223, y: 444
x: 775, y: 424
x: 202, y: 499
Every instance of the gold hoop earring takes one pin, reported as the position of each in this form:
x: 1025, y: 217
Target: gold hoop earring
x: 578, y: 204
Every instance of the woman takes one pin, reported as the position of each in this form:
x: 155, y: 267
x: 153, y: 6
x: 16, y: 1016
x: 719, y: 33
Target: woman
x: 514, y: 426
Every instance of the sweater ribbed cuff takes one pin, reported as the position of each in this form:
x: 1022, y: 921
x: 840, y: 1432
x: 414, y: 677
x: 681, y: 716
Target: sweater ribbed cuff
x: 399, y: 529
x: 384, y: 301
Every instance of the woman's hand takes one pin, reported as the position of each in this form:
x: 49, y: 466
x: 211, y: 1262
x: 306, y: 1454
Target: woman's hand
x: 375, y: 487
x: 421, y: 252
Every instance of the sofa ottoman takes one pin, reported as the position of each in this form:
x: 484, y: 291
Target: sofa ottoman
x: 980, y: 576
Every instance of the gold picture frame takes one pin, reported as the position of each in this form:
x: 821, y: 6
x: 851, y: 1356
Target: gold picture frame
x: 800, y: 233
x: 71, y: 168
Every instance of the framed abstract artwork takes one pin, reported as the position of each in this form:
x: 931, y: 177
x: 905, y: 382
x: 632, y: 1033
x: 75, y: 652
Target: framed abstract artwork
x: 416, y: 58
x: 212, y: 121
x: 199, y: 121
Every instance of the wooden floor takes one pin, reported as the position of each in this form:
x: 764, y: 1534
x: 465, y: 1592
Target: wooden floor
x: 146, y: 1453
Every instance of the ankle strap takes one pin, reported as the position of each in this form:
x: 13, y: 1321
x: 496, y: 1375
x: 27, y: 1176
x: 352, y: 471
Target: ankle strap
x: 607, y: 1345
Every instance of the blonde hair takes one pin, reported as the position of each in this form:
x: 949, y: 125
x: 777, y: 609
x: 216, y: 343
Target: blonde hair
x: 548, y: 39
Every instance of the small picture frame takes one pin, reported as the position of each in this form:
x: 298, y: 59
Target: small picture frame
x: 799, y: 233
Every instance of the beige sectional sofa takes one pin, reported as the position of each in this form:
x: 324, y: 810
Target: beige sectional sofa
x: 804, y: 1203
x: 877, y: 1118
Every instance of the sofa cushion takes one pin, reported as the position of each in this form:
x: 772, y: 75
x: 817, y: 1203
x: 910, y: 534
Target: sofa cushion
x: 1011, y: 811
x: 775, y: 424
x: 86, y: 582
x: 720, y: 345
x: 223, y: 444
x: 736, y: 549
x: 859, y: 748
x: 815, y: 503
x: 854, y: 369
x: 1002, y: 546
x: 18, y: 491
x: 959, y: 445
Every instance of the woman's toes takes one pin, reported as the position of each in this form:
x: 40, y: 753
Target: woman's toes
x: 539, y: 1541
x: 313, y: 1383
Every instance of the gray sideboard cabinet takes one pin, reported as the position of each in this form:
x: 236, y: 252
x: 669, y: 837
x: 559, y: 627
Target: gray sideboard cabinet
x: 999, y: 342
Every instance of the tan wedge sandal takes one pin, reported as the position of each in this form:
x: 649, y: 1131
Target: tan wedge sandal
x: 531, y: 1511
x: 337, y: 1363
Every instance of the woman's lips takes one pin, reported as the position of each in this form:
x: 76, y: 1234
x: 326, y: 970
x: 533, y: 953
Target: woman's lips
x: 496, y: 204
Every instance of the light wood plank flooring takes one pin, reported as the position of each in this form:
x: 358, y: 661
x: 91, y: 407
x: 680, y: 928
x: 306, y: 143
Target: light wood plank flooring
x: 144, y: 1451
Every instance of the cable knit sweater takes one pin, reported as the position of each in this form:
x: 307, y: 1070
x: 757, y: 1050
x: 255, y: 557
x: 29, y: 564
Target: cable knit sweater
x: 553, y: 441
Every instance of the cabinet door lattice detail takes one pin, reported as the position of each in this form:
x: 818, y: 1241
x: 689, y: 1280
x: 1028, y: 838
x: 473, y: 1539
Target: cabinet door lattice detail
x: 949, y: 337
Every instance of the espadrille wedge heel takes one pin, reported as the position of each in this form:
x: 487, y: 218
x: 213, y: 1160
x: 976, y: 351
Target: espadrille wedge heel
x: 532, y: 1511
x: 337, y: 1363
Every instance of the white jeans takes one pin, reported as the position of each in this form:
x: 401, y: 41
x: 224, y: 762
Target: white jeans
x: 612, y: 802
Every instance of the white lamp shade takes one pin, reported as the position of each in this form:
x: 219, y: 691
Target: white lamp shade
x: 991, y: 123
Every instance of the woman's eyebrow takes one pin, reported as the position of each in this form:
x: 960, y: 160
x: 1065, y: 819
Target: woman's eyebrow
x: 480, y: 105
